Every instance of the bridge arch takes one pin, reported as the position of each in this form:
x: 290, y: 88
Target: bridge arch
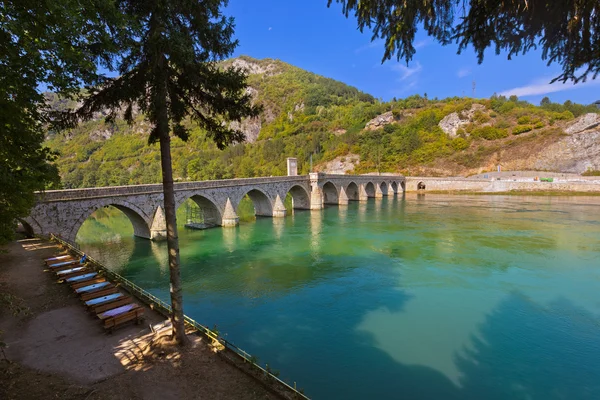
x: 352, y: 191
x: 28, y: 229
x: 403, y: 186
x: 210, y: 212
x: 262, y: 204
x: 394, y: 186
x: 370, y: 189
x: 300, y: 198
x: 330, y: 193
x: 138, y: 218
x: 384, y: 188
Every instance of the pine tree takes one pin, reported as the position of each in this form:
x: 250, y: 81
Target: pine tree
x: 168, y: 68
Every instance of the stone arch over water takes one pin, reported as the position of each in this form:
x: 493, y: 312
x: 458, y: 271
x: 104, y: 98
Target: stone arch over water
x: 138, y: 218
x: 370, y: 189
x: 403, y: 185
x: 210, y: 211
x: 352, y: 191
x: 384, y: 188
x: 421, y: 186
x: 262, y: 204
x: 330, y: 193
x: 394, y: 186
x: 300, y: 198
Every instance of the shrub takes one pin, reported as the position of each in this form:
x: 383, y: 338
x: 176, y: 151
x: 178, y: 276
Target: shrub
x: 517, y: 130
x: 489, y: 133
x: 502, y: 124
x: 563, y: 116
x: 591, y: 172
x: 524, y: 120
x: 506, y: 107
x: 538, y: 125
x: 481, y: 117
x: 460, y: 144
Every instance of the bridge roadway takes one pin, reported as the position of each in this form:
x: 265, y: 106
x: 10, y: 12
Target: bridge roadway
x: 62, y: 212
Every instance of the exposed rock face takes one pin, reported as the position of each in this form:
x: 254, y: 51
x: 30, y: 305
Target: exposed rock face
x: 99, y: 135
x: 453, y: 122
x: 583, y: 123
x: 576, y: 153
x: 380, y: 121
x: 254, y: 68
x: 250, y: 127
x: 341, y: 165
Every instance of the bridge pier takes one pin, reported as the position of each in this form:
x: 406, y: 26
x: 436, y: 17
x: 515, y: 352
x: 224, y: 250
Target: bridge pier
x: 279, y: 210
x: 316, y: 193
x: 362, y: 193
x: 378, y: 192
x: 343, y: 198
x: 158, y: 231
x: 230, y: 218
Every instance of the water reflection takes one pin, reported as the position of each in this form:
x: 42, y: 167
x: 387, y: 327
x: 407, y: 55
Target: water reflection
x: 229, y: 238
x: 343, y: 213
x: 436, y: 297
x: 279, y: 226
x: 316, y: 218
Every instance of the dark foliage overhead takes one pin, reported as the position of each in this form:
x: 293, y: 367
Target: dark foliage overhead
x: 566, y: 31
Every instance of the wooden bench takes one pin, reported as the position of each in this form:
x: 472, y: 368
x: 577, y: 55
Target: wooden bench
x: 74, y: 274
x: 110, y: 305
x: 99, y: 293
x: 59, y: 259
x: 118, y: 316
x: 104, y: 300
x: 55, y: 266
x: 87, y: 282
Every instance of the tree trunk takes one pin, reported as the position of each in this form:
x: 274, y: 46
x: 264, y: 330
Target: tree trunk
x: 172, y: 241
x: 163, y: 131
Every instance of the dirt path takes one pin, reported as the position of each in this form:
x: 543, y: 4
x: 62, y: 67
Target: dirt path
x: 58, y: 350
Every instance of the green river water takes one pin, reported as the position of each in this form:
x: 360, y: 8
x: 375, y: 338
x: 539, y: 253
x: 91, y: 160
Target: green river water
x: 422, y: 297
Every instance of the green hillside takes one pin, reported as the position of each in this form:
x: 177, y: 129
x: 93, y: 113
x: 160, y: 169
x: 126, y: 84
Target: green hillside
x: 306, y: 114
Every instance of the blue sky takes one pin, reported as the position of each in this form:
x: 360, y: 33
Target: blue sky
x: 320, y: 39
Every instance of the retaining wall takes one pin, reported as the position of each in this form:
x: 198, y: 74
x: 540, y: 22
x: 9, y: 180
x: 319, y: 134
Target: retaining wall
x: 489, y: 185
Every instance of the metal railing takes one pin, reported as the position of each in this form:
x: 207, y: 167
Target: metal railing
x: 165, y: 309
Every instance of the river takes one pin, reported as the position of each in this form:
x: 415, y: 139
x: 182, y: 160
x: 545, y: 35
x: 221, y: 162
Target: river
x: 422, y: 297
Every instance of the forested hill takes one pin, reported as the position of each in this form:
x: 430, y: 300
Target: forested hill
x: 344, y: 130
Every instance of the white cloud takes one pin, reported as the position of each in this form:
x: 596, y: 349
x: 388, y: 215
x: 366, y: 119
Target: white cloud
x: 422, y: 43
x: 270, y: 28
x: 409, y: 76
x: 370, y: 45
x: 543, y: 86
x: 461, y: 73
x: 408, y: 72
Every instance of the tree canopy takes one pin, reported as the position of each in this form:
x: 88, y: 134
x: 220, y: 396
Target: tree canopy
x: 54, y: 44
x: 566, y: 31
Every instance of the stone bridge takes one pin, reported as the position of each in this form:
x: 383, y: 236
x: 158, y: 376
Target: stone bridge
x: 62, y: 212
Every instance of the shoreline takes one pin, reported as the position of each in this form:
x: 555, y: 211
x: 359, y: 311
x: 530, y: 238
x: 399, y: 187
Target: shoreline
x: 539, y: 193
x: 57, y: 344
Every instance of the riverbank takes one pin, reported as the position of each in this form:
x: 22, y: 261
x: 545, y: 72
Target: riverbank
x: 504, y: 185
x: 54, y: 346
x: 540, y: 193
